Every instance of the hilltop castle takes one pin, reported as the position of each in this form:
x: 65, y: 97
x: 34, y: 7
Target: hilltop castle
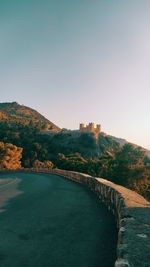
x: 90, y: 128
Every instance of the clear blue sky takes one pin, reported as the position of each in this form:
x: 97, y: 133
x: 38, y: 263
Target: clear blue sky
x: 79, y: 60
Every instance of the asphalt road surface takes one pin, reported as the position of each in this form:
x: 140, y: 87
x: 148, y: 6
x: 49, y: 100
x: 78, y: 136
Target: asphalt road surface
x: 47, y: 221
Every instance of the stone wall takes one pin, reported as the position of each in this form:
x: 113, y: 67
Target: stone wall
x: 132, y: 214
x: 131, y: 211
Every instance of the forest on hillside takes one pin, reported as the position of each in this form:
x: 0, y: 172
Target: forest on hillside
x: 14, y: 113
x: 24, y: 146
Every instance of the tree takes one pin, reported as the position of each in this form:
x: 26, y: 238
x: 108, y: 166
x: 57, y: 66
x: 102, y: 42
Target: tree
x: 47, y: 164
x: 10, y: 156
x: 127, y: 163
x: 141, y: 182
x: 130, y: 156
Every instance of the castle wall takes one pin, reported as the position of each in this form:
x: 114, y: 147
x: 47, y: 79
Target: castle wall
x: 90, y: 127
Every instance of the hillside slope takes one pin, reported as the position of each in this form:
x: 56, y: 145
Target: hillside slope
x: 84, y: 143
x: 122, y: 142
x: 13, y: 113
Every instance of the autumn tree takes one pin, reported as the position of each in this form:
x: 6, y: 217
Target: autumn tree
x: 10, y: 156
x: 47, y: 164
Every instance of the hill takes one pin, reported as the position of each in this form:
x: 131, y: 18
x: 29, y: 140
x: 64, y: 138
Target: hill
x: 84, y: 143
x: 122, y: 142
x: 14, y: 116
x: 18, y: 124
x: 13, y: 113
x: 42, y: 143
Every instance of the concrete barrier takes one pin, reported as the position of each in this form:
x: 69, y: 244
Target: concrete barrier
x: 131, y: 211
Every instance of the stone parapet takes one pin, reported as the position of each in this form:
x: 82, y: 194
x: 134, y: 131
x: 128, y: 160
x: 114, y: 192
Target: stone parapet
x: 131, y: 211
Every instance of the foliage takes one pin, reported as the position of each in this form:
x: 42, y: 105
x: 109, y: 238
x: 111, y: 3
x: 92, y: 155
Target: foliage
x: 10, y: 156
x: 47, y: 164
x: 125, y: 165
x: 130, y: 169
x: 141, y: 182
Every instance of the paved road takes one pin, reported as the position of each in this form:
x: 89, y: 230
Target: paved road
x: 54, y: 222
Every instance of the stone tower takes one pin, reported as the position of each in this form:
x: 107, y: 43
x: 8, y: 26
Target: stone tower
x: 81, y: 126
x: 98, y: 128
x: 90, y: 128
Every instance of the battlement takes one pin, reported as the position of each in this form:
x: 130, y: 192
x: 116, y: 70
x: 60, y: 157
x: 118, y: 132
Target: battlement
x: 90, y: 128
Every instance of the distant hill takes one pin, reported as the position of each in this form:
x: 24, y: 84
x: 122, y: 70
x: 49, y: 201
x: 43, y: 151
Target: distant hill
x: 13, y: 113
x: 122, y: 142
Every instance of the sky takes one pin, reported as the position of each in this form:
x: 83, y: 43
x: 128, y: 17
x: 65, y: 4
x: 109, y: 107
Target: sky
x: 79, y: 61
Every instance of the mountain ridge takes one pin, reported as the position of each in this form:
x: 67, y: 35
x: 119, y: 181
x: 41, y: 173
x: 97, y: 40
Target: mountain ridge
x: 12, y: 112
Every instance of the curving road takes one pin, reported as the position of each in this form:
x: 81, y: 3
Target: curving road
x: 52, y: 222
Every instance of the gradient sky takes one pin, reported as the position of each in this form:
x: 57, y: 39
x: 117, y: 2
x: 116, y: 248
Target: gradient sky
x: 79, y: 60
